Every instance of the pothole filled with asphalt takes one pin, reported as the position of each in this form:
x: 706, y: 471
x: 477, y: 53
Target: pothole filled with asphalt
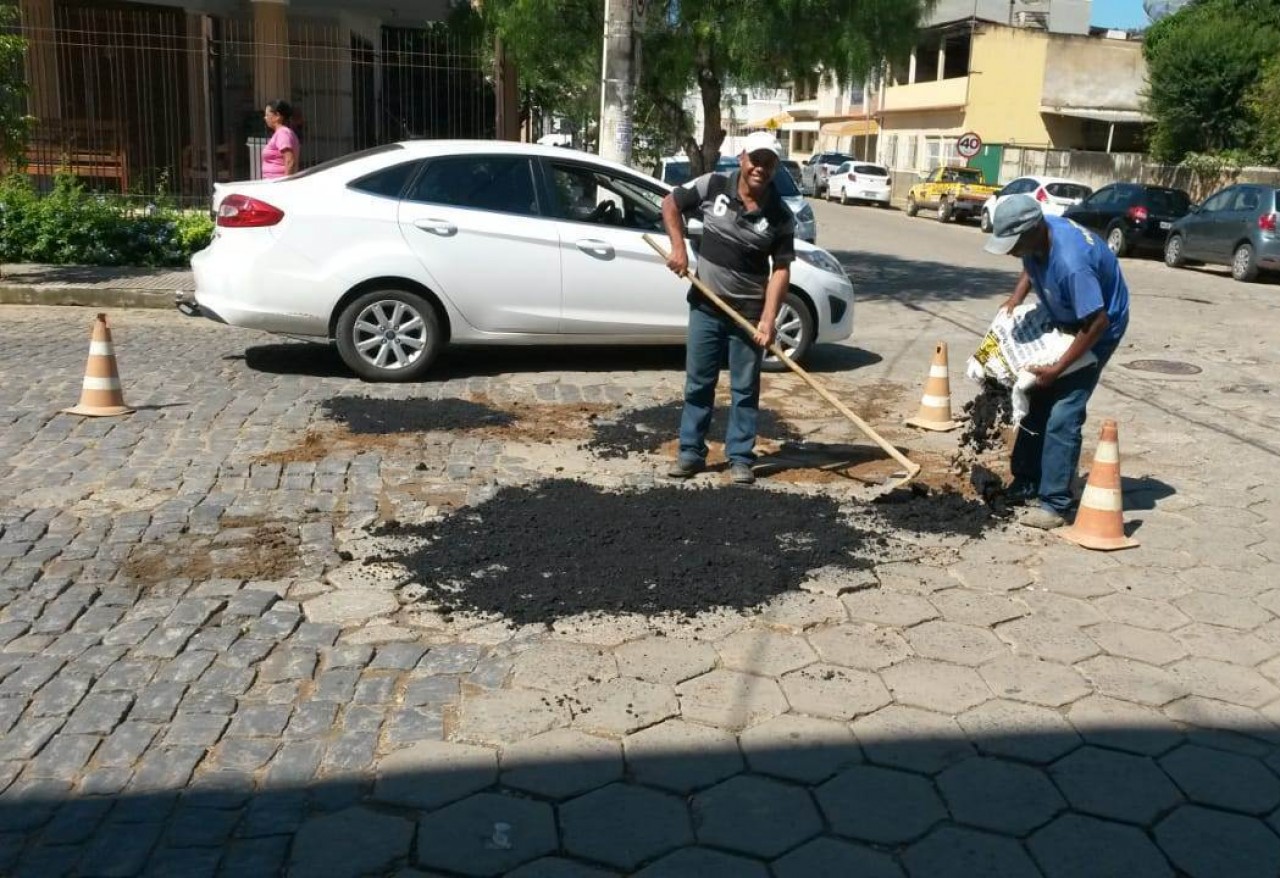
x: 647, y: 430
x: 563, y: 548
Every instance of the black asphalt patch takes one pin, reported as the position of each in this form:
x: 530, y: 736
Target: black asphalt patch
x: 986, y: 416
x: 918, y: 509
x: 648, y: 429
x: 365, y: 415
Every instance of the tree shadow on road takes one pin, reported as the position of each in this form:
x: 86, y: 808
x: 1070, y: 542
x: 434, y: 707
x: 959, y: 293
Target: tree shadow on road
x: 877, y: 276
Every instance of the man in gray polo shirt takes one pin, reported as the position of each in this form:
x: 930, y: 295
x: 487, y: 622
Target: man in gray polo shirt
x: 748, y: 245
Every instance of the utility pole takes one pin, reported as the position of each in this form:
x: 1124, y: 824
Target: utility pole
x: 615, y: 81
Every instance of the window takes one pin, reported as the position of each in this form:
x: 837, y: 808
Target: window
x: 502, y: 183
x: 1019, y: 186
x: 1168, y: 202
x: 389, y: 182
x: 1068, y: 190
x: 870, y: 170
x: 588, y: 195
x: 1218, y: 202
x: 1248, y: 200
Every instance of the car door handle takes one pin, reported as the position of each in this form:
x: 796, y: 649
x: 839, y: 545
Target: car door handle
x: 595, y: 247
x: 443, y: 228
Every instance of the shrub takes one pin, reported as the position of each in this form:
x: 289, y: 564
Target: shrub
x: 72, y: 226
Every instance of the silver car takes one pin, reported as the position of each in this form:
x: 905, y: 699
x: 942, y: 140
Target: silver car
x: 1236, y: 227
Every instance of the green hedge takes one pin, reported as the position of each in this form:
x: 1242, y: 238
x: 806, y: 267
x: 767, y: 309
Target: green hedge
x: 72, y: 226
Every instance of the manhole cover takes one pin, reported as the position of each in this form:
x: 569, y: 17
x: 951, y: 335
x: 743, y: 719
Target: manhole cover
x: 1164, y: 367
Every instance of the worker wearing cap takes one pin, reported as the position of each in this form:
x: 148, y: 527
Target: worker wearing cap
x: 748, y: 245
x: 1078, y: 279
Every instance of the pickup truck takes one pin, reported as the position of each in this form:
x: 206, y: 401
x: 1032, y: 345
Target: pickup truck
x: 955, y: 193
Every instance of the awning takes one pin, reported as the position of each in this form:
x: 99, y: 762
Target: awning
x: 1099, y: 114
x: 771, y: 122
x: 851, y: 128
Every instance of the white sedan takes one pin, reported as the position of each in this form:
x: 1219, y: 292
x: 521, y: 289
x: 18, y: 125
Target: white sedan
x: 859, y: 181
x: 1054, y: 194
x: 399, y: 250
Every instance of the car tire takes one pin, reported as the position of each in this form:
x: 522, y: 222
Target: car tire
x: 912, y: 207
x: 1117, y: 241
x: 1174, y: 255
x: 1244, y: 263
x: 944, y: 210
x: 844, y: 196
x: 984, y: 221
x: 418, y: 336
x: 796, y: 328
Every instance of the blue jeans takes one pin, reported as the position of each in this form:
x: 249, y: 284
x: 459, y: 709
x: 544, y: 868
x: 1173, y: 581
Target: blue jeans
x: 711, y: 337
x: 1046, y: 451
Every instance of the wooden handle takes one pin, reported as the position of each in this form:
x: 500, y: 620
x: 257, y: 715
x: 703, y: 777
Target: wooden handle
x: 912, y: 468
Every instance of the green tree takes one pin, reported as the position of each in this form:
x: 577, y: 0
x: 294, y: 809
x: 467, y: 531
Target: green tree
x: 1264, y: 103
x: 1203, y: 63
x: 14, y: 121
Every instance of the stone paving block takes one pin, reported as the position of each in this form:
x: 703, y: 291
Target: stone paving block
x: 680, y: 756
x: 934, y: 685
x: 245, y: 754
x: 765, y: 652
x: 547, y: 867
x: 99, y: 714
x: 986, y: 576
x: 860, y: 645
x: 1123, y: 725
x: 375, y: 688
x: 1199, y: 841
x: 1048, y: 640
x: 200, y: 827
x: 1140, y: 644
x: 624, y: 826
x: 561, y: 763
x: 295, y: 763
x: 58, y: 697
x: 104, y: 781
x: 184, y: 862
x: 247, y: 652
x: 798, y: 611
x: 667, y: 660
x: 955, y: 852
x: 880, y: 805
x: 1223, y: 681
x: 259, y: 720
x: 1020, y: 731
x: 420, y: 691
x: 1222, y: 780
x: 885, y: 607
x: 1026, y: 678
x: 1142, y: 612
x: 1074, y: 845
x: 830, y: 858
x: 346, y: 657
x: 982, y: 609
x: 337, y: 685
x: 755, y: 816
x: 486, y: 834
x: 187, y: 667
x: 956, y: 643
x: 288, y: 664
x: 1114, y: 785
x: 562, y: 667
x: 1132, y: 681
x: 63, y: 756
x: 194, y: 730
x: 165, y: 768
x: 30, y: 676
x: 998, y: 795
x: 1225, y: 610
x: 835, y: 692
x: 119, y: 851
x: 453, y: 658
x: 349, y: 607
x: 917, y: 740
x: 126, y: 675
x: 398, y: 656
x: 799, y: 748
x: 225, y: 679
x: 730, y: 699
x: 623, y: 705
x: 75, y: 821
x: 351, y: 842
x: 408, y: 725
x: 602, y: 629
x: 505, y: 716
x: 1226, y: 645
x: 704, y: 863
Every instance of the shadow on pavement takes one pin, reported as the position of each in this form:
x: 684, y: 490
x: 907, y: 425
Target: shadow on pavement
x: 879, y: 276
x: 1020, y: 791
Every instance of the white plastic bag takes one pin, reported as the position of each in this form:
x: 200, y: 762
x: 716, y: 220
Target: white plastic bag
x: 1018, y: 340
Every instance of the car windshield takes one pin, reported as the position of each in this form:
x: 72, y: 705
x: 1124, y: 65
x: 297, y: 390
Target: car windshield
x: 677, y: 174
x: 1068, y: 190
x: 1173, y: 202
x: 962, y: 175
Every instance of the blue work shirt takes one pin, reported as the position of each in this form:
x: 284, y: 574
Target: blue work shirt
x: 1078, y: 278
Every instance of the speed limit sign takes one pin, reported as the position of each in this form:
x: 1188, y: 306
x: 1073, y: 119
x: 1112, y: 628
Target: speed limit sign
x: 969, y: 145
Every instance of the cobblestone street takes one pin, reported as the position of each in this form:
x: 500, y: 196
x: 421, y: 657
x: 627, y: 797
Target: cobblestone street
x: 201, y: 675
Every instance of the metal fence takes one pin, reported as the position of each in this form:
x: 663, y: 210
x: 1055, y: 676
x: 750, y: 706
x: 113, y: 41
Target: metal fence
x: 135, y: 99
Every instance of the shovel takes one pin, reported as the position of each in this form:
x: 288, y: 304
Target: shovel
x: 912, y: 469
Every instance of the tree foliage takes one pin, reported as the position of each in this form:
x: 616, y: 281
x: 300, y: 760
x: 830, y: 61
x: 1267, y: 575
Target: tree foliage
x: 1204, y: 64
x: 14, y: 121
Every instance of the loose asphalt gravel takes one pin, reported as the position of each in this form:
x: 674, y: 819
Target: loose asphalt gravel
x: 364, y: 415
x: 648, y: 429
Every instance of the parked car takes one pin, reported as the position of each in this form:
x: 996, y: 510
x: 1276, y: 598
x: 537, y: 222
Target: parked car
x: 395, y: 252
x: 1132, y: 217
x: 675, y: 172
x: 859, y: 181
x: 1054, y: 194
x: 955, y: 193
x: 814, y: 172
x: 1235, y: 227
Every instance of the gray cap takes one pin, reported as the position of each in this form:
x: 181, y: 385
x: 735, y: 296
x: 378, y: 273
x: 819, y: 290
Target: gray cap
x: 1014, y: 216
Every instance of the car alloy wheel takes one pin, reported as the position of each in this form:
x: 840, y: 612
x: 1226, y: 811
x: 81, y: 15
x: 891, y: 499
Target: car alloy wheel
x: 1173, y: 252
x: 912, y: 207
x: 944, y: 211
x: 389, y: 335
x: 1115, y: 241
x: 793, y: 332
x: 985, y: 221
x: 1244, y: 265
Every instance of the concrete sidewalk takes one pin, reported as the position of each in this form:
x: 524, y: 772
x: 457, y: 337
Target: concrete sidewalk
x: 91, y: 285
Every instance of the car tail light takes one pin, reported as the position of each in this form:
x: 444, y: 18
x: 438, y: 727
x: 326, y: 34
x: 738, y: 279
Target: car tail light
x: 1041, y: 196
x: 243, y: 212
x: 1267, y: 222
x: 1137, y: 213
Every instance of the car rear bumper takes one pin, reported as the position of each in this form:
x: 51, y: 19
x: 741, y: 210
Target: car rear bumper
x: 234, y: 280
x: 1269, y: 253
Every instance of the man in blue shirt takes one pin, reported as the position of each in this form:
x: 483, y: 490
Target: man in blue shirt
x: 1079, y: 281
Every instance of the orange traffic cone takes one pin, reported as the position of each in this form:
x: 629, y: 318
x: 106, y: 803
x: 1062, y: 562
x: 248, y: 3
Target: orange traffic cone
x: 935, y: 405
x: 101, y: 395
x: 1100, y: 522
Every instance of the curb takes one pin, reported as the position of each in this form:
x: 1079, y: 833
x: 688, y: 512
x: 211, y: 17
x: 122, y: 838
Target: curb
x: 85, y: 297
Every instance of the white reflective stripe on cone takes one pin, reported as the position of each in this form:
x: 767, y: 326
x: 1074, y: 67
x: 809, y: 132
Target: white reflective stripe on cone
x: 938, y: 372
x: 1108, y: 452
x: 101, y: 349
x: 1102, y: 499
x: 935, y: 402
x: 91, y: 383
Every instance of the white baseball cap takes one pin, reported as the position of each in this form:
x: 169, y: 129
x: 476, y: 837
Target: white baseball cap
x: 761, y: 140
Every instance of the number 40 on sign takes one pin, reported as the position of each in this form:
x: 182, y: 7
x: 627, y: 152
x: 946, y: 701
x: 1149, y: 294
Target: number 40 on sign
x: 969, y: 145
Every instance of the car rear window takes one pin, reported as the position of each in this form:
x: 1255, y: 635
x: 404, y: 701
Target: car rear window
x: 1168, y: 201
x: 343, y: 159
x: 389, y: 182
x: 870, y: 170
x: 835, y: 158
x: 1068, y: 190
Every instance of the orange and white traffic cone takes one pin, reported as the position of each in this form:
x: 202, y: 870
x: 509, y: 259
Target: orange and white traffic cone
x: 935, y: 405
x: 101, y: 395
x: 1100, y: 522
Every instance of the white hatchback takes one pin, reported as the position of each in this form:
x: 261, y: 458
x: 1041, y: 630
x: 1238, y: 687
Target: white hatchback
x: 859, y: 181
x: 1054, y: 194
x: 397, y: 251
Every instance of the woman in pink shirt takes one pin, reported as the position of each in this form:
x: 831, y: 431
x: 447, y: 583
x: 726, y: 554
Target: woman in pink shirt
x: 280, y: 155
